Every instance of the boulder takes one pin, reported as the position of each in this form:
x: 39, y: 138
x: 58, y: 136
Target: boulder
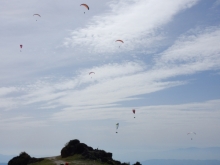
x: 75, y: 147
x: 24, y: 159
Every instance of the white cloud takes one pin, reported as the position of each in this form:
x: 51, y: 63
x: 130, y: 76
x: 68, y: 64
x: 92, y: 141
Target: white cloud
x: 7, y: 90
x: 113, y: 83
x: 20, y: 122
x: 192, y: 53
x: 135, y: 22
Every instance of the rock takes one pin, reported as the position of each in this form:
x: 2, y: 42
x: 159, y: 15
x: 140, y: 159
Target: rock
x: 23, y: 159
x: 75, y: 147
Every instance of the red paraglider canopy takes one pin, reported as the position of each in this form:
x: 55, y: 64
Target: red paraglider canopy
x: 133, y: 111
x: 21, y: 46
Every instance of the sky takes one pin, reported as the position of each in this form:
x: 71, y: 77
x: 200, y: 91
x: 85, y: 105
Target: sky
x: 167, y: 69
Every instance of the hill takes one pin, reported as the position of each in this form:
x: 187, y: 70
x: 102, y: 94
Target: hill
x: 74, y: 153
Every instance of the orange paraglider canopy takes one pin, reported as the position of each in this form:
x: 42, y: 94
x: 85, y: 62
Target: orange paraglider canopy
x: 120, y: 41
x: 85, y: 5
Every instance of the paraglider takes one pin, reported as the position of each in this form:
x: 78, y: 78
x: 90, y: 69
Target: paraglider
x: 86, y: 6
x: 120, y: 41
x: 117, y: 125
x: 38, y: 15
x: 133, y: 110
x: 191, y: 133
x: 21, y: 47
x: 91, y: 73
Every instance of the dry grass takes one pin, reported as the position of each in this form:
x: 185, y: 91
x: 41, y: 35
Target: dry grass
x: 72, y: 160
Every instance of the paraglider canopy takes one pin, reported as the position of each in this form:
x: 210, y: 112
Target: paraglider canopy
x: 85, y: 5
x: 192, y: 133
x: 37, y: 15
x: 133, y: 110
x: 21, y: 47
x: 119, y: 41
x: 91, y: 73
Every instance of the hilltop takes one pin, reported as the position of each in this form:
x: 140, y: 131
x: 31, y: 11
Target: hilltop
x: 74, y: 153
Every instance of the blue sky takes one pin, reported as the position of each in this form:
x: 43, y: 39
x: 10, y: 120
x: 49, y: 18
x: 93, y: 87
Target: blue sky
x: 168, y: 69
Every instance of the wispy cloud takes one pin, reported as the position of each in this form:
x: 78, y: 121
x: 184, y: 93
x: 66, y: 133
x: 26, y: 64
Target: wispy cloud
x: 7, y: 90
x: 192, y: 53
x: 20, y: 122
x: 113, y: 83
x: 135, y: 22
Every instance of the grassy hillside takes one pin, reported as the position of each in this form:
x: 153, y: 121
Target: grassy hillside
x: 72, y: 160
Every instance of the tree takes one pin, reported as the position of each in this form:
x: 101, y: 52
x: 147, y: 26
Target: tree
x: 137, y: 163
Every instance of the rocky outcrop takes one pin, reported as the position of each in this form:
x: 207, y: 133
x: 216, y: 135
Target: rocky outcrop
x: 75, y: 147
x: 71, y: 148
x: 23, y: 159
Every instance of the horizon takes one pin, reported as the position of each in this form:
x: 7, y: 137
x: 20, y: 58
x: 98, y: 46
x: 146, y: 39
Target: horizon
x: 167, y: 68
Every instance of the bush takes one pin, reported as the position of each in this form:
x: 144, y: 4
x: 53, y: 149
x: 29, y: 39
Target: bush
x: 137, y: 163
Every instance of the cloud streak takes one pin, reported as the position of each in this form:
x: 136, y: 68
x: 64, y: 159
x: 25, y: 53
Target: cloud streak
x: 135, y: 22
x: 114, y: 83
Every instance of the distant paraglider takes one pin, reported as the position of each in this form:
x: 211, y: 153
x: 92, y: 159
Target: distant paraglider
x: 133, y: 110
x: 36, y: 15
x: 21, y: 47
x: 117, y: 125
x: 91, y: 73
x: 120, y: 41
x: 191, y: 133
x: 86, y: 6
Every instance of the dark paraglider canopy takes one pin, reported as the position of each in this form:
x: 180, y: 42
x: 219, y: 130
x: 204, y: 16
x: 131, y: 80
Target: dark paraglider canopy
x: 133, y: 110
x: 21, y: 47
x: 38, y: 15
x: 91, y: 73
x: 117, y: 125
